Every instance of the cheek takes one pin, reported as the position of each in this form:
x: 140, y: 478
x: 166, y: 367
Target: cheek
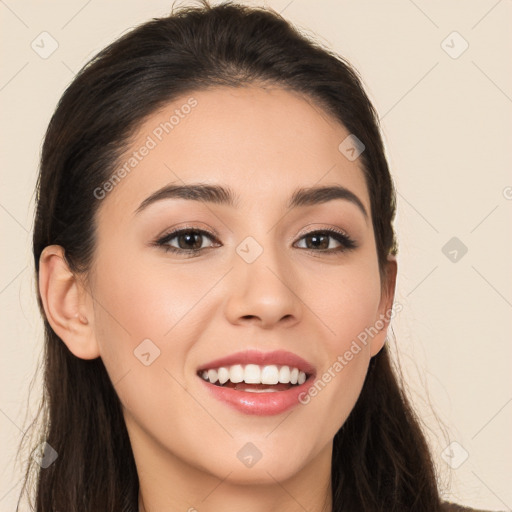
x: 347, y: 304
x: 160, y: 305
x: 144, y: 331
x: 138, y: 312
x: 142, y: 301
x: 347, y: 308
x: 148, y: 318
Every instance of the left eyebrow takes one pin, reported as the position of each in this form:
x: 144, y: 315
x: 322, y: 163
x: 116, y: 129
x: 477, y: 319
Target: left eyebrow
x: 219, y: 194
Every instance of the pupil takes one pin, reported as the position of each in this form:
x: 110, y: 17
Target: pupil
x: 190, y: 237
x: 315, y: 239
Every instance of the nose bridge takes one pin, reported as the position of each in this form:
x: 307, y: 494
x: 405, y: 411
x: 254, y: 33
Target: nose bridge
x: 261, y: 260
x: 262, y: 284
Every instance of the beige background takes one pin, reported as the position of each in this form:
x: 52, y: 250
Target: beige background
x: 447, y: 125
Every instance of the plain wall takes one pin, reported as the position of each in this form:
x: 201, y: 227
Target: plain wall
x: 446, y: 120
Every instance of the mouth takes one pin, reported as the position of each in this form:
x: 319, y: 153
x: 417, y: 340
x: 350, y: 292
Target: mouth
x: 255, y: 378
x: 258, y: 372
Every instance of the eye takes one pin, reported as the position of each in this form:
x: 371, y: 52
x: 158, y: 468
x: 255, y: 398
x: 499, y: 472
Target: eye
x: 320, y: 240
x: 188, y: 240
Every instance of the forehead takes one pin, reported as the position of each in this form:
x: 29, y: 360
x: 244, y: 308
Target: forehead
x: 262, y: 142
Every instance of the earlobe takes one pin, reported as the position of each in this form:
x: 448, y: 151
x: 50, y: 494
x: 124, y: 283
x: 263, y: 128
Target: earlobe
x: 66, y: 309
x: 386, y: 306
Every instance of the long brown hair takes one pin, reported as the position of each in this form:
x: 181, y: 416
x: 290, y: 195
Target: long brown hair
x: 380, y: 460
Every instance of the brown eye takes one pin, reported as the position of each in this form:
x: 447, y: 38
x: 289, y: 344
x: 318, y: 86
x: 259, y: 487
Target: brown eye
x: 319, y: 241
x: 188, y: 240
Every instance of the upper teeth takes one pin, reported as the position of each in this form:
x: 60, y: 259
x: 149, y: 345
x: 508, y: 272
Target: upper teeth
x: 254, y: 374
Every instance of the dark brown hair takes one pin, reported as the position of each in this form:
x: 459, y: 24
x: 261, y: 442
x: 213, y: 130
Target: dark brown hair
x: 380, y: 460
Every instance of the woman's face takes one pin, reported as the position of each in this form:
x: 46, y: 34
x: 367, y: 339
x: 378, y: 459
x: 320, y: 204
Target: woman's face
x: 255, y: 280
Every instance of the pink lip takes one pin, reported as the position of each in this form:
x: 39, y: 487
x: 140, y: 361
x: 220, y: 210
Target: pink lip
x: 261, y: 404
x: 278, y: 357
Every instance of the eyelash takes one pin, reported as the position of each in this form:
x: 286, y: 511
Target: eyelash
x: 346, y: 242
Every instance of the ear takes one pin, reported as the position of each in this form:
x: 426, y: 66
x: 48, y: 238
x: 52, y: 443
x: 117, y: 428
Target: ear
x: 385, y: 312
x: 67, y: 304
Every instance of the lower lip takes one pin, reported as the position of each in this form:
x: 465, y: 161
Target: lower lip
x: 259, y: 404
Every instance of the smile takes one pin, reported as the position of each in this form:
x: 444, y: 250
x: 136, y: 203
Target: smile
x: 258, y: 383
x: 255, y: 378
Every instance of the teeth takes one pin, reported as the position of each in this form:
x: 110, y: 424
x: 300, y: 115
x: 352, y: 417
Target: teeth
x: 212, y: 376
x: 236, y: 373
x: 284, y: 374
x: 254, y: 374
x: 223, y: 375
x: 270, y: 375
x: 269, y: 390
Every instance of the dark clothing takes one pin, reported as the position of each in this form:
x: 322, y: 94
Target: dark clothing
x: 453, y: 507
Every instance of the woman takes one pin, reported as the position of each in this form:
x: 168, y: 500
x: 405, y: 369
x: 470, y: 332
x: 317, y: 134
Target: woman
x: 216, y: 269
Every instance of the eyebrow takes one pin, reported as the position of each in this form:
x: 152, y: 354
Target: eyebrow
x: 218, y: 194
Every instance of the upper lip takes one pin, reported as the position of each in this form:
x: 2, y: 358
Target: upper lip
x: 277, y: 357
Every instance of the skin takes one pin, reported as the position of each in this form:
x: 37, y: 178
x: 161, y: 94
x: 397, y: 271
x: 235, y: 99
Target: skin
x: 263, y: 143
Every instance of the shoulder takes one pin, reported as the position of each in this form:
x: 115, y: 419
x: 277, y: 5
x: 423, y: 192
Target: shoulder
x: 453, y: 507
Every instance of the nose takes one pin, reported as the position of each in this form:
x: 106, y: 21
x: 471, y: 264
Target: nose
x: 262, y: 291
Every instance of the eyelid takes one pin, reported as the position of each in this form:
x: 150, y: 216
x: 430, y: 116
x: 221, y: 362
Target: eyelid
x: 163, y: 240
x: 188, y: 226
x: 307, y: 230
